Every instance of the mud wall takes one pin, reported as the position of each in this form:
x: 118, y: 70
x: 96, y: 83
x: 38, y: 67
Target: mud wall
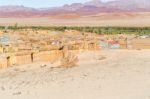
x: 47, y: 56
x: 140, y: 43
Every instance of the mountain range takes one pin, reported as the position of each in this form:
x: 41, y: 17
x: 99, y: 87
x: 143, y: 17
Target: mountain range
x: 75, y: 10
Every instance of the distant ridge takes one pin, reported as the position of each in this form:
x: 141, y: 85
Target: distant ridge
x: 77, y: 9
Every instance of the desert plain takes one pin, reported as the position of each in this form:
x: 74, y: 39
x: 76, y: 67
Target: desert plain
x: 127, y: 19
x: 105, y: 74
x: 68, y: 49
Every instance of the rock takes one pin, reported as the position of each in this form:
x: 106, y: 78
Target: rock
x: 17, y: 93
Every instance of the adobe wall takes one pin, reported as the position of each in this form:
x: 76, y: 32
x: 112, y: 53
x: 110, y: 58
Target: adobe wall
x: 3, y: 63
x: 48, y: 56
x: 123, y: 44
x: 23, y: 59
x: 12, y: 60
x: 26, y: 58
x: 140, y: 43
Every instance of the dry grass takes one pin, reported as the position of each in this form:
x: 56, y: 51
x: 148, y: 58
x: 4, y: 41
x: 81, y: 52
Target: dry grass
x: 70, y: 60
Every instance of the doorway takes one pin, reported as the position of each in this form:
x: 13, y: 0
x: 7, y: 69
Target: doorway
x: 31, y: 57
x: 8, y: 61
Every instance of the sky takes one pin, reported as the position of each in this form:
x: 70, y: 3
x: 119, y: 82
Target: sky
x: 40, y: 3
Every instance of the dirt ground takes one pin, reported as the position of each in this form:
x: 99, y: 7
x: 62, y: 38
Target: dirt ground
x: 141, y: 21
x: 104, y: 74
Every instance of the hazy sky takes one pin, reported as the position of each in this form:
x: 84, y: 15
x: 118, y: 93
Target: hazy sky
x: 40, y: 3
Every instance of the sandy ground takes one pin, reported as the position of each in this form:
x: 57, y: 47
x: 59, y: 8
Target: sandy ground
x: 106, y: 74
x: 92, y: 21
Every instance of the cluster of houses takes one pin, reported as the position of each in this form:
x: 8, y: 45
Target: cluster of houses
x: 113, y: 42
x: 124, y: 42
x: 27, y: 46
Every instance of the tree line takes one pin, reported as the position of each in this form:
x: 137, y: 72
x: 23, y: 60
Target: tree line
x: 98, y: 30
